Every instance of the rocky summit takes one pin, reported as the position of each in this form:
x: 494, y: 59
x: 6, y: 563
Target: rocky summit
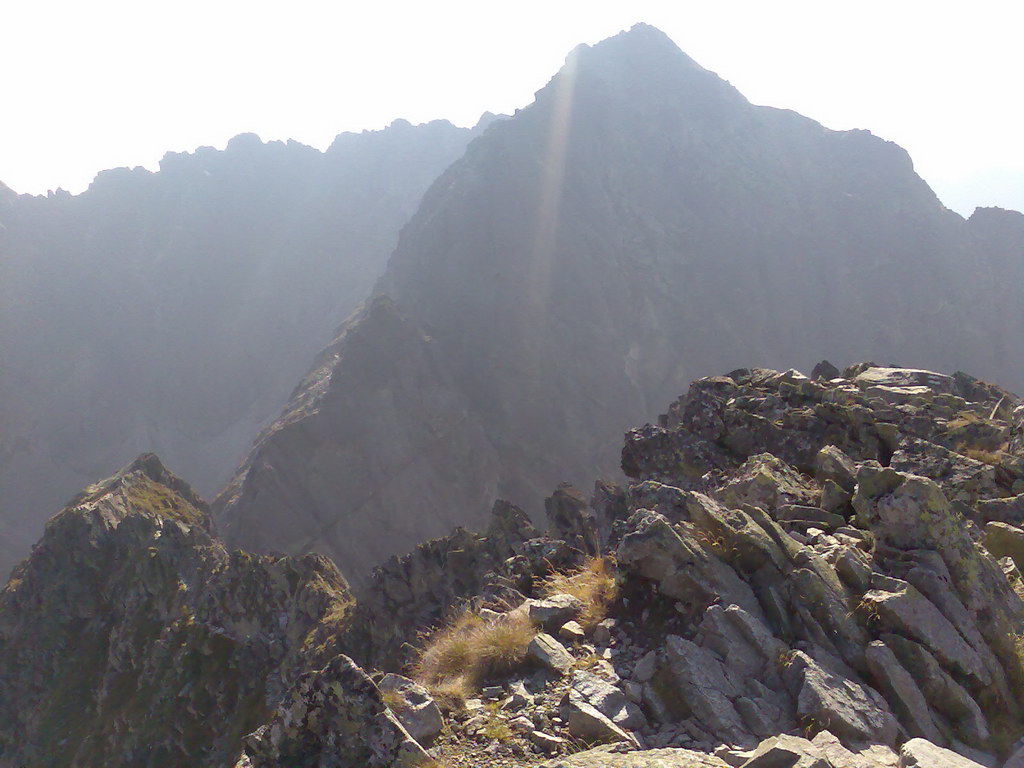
x: 639, y: 225
x: 816, y: 570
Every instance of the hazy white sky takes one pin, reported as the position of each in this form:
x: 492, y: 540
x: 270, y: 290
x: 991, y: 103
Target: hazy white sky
x: 105, y: 83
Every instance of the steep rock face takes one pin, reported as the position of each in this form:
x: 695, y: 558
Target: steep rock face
x: 792, y: 556
x: 131, y: 636
x: 174, y: 311
x: 377, y: 447
x: 641, y: 224
x: 831, y: 592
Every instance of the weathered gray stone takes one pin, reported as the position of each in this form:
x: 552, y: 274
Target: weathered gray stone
x: 603, y: 631
x: 653, y: 758
x: 645, y: 667
x: 572, y: 631
x: 831, y: 464
x: 586, y: 722
x: 608, y: 699
x: 521, y: 724
x: 900, y: 690
x: 920, y: 753
x: 548, y: 743
x: 907, y: 612
x: 942, y: 692
x: 831, y: 701
x: 1016, y: 758
x: 785, y: 751
x: 838, y: 756
x: 708, y: 687
x: 853, y: 566
x: 768, y: 482
x: 334, y: 717
x: 552, y: 612
x: 415, y: 709
x: 684, y: 568
x: 904, y: 377
x: 549, y: 653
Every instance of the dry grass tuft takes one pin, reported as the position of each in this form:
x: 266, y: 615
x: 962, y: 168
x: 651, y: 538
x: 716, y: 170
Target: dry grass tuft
x: 458, y: 658
x: 593, y: 584
x: 393, y: 700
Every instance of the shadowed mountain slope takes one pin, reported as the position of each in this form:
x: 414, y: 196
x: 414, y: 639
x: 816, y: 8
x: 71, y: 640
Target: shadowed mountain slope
x: 174, y: 311
x: 638, y: 225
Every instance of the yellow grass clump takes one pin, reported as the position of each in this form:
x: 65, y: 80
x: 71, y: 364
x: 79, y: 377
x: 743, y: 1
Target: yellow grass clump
x: 594, y: 584
x: 457, y: 659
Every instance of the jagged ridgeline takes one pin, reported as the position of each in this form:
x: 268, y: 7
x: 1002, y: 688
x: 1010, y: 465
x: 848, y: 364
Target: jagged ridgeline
x: 174, y: 311
x: 639, y: 225
x: 802, y: 571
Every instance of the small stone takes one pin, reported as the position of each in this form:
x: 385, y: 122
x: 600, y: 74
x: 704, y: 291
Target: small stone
x: 552, y: 612
x: 519, y: 697
x: 603, y: 632
x: 521, y: 724
x: 547, y: 743
x: 646, y: 667
x: 587, y: 723
x: 727, y: 754
x: 549, y: 653
x: 571, y: 631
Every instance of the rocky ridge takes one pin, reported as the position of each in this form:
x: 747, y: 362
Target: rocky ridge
x: 808, y: 571
x: 238, y: 263
x: 811, y: 590
x: 639, y: 225
x: 132, y: 636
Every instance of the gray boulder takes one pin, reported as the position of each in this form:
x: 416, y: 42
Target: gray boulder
x: 333, y: 717
x: 611, y: 757
x: 415, y: 709
x: 608, y: 699
x: 900, y: 690
x: 552, y: 612
x: 588, y: 724
x: 920, y: 753
x: 829, y: 700
x: 550, y: 654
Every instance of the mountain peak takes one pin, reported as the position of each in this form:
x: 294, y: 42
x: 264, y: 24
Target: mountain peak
x: 643, y: 66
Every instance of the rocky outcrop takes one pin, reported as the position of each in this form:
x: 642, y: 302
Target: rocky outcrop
x: 174, y: 311
x: 638, y: 225
x: 801, y: 602
x: 333, y: 717
x: 819, y: 587
x: 316, y: 460
x: 131, y: 636
x: 408, y: 595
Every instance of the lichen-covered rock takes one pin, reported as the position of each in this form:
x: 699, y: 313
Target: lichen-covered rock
x: 921, y: 753
x: 131, y: 636
x: 865, y: 578
x: 548, y: 653
x: 333, y: 717
x: 415, y: 709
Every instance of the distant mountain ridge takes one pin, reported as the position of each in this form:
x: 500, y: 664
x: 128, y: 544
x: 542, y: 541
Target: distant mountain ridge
x: 640, y: 224
x: 174, y: 311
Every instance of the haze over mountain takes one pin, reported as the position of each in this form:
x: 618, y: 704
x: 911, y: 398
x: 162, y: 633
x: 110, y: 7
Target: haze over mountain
x: 174, y: 311
x: 640, y: 224
x: 782, y: 570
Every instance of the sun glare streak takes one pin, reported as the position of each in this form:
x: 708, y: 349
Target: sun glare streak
x: 552, y: 180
